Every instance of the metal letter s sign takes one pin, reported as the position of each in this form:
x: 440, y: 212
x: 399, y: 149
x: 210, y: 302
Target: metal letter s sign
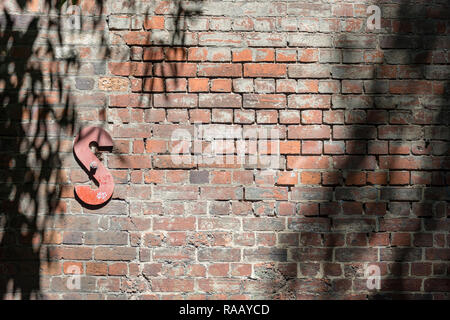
x: 93, y: 166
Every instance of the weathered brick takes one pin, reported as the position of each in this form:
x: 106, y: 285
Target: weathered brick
x: 309, y: 132
x: 308, y: 71
x: 220, y: 100
x: 264, y: 70
x: 309, y: 102
x: 264, y: 101
x: 308, y: 162
x: 362, y: 178
x: 219, y: 70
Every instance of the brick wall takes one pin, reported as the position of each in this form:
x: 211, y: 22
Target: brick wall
x: 362, y: 119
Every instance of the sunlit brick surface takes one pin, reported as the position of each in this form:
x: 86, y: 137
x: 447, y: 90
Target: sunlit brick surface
x: 363, y: 173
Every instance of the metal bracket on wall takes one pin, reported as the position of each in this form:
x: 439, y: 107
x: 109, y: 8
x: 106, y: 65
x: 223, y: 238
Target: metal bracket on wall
x: 93, y: 166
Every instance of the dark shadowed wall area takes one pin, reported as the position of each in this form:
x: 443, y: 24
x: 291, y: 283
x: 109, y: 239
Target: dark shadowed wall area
x: 362, y: 175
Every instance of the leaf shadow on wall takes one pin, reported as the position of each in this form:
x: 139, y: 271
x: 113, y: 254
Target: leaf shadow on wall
x: 363, y: 216
x: 37, y: 124
x: 166, y: 51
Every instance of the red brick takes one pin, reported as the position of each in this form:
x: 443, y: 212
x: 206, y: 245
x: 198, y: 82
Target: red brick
x: 290, y: 147
x: 198, y: 85
x: 219, y: 70
x: 129, y: 161
x: 175, y: 69
x: 311, y: 116
x: 264, y: 101
x: 308, y: 55
x: 399, y: 162
x: 153, y: 54
x: 399, y: 177
x: 410, y: 87
x: 172, y: 285
x: 221, y: 85
x: 174, y: 224
x: 308, y: 162
x: 308, y: 177
x: 175, y: 54
x: 138, y: 38
x: 288, y: 55
x: 287, y: 178
x: 309, y: 132
x: 355, y: 179
x: 264, y: 70
x: 200, y: 116
x: 266, y: 116
x: 96, y: 268
x: 155, y: 22
x: 244, y: 55
x: 377, y: 178
x: 220, y: 100
x: 312, y: 147
x: 121, y: 68
x: 197, y: 54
